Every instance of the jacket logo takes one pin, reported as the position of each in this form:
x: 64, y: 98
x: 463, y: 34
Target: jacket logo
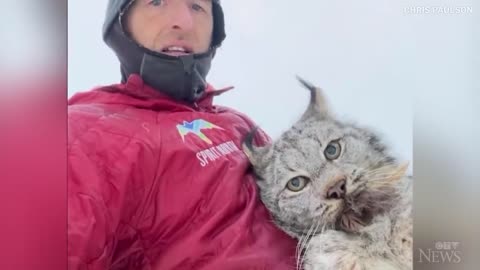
x: 196, y: 127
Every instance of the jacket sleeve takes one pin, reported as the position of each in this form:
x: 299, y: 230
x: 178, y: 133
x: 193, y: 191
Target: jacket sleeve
x: 108, y: 175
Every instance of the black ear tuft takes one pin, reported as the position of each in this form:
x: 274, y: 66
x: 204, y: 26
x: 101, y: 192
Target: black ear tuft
x: 306, y: 84
x: 249, y: 138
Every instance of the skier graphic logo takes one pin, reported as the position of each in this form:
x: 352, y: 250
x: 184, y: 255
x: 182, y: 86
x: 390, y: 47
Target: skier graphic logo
x: 196, y: 127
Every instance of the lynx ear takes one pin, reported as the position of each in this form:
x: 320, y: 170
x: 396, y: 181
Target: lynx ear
x: 258, y: 156
x: 318, y: 106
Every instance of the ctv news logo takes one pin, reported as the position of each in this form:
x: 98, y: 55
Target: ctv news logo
x: 443, y: 252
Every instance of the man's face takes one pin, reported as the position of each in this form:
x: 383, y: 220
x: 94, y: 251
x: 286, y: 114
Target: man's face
x: 174, y: 27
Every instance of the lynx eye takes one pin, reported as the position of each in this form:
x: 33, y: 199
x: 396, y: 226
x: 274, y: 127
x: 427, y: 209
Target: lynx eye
x: 296, y: 184
x: 333, y: 150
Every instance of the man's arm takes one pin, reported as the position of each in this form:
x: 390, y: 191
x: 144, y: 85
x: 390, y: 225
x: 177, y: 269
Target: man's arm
x: 108, y: 175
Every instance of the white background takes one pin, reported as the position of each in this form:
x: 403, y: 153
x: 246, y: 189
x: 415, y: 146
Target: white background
x: 364, y: 55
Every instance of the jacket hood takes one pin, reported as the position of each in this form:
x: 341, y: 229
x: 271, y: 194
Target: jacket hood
x: 182, y: 78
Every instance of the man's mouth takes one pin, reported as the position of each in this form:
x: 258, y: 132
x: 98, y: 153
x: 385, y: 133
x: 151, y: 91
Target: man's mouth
x: 176, y: 50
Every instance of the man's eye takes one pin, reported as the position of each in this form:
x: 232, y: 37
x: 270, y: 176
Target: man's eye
x: 155, y: 2
x: 197, y: 7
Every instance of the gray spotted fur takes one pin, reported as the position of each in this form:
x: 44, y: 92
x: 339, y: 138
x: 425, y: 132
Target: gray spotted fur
x: 375, y: 185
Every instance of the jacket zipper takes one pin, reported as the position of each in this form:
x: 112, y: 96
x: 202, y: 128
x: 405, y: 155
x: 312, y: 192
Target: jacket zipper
x: 202, y: 109
x: 196, y: 107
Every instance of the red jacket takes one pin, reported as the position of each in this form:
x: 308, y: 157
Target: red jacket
x: 156, y: 184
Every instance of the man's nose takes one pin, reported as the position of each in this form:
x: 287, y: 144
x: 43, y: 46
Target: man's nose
x: 181, y: 17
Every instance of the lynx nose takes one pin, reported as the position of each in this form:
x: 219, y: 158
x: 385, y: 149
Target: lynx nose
x: 338, y: 190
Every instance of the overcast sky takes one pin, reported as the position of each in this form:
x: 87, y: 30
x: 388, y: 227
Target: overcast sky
x: 364, y: 54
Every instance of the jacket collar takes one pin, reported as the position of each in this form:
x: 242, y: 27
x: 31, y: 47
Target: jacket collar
x: 135, y: 86
x: 134, y: 92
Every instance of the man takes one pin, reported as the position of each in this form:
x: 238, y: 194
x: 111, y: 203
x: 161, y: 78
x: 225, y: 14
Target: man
x: 157, y: 179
